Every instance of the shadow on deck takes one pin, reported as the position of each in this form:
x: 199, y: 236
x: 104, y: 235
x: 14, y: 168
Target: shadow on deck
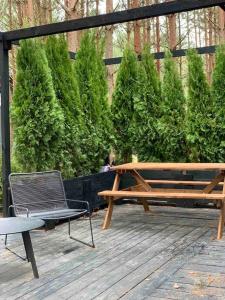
x: 168, y: 254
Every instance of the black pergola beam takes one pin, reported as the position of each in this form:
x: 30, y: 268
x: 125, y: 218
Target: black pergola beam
x: 157, y: 55
x: 140, y: 13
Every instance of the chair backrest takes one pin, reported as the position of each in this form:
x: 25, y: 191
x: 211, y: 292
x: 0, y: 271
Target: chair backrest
x: 39, y: 191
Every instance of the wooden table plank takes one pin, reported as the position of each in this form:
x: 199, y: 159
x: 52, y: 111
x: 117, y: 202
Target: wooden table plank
x: 162, y: 194
x: 171, y: 166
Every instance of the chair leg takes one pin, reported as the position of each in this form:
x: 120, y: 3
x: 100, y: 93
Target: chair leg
x: 6, y: 240
x: 7, y: 248
x: 69, y: 227
x: 82, y: 242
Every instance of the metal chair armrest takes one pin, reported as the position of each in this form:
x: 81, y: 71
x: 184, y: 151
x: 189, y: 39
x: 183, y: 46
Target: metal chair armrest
x: 80, y: 201
x: 21, y: 206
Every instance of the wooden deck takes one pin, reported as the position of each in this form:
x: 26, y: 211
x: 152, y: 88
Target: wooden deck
x: 168, y: 254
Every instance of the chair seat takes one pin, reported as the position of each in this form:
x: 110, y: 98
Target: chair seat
x: 58, y: 214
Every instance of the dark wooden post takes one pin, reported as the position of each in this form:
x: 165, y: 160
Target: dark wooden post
x: 5, y: 123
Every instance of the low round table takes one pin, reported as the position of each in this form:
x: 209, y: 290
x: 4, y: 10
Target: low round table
x: 21, y: 225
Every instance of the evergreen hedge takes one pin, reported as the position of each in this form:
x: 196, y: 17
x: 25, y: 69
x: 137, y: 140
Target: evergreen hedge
x: 171, y: 125
x: 124, y: 95
x: 91, y: 76
x: 218, y: 92
x: 147, y: 110
x: 38, y: 120
x: 67, y: 93
x: 199, y: 121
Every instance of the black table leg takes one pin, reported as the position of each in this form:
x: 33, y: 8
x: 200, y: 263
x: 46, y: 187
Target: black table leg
x: 29, y: 251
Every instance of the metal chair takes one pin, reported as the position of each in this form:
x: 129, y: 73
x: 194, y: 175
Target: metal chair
x: 42, y: 195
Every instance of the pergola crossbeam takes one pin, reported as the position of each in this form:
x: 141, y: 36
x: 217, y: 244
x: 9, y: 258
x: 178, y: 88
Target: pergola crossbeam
x: 157, y: 55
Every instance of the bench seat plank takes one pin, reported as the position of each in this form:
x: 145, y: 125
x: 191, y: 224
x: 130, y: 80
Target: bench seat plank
x: 162, y: 193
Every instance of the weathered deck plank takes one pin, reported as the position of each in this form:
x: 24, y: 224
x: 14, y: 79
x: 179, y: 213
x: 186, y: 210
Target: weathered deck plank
x: 167, y: 254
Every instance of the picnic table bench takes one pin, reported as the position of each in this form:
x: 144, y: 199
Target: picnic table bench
x: 144, y: 190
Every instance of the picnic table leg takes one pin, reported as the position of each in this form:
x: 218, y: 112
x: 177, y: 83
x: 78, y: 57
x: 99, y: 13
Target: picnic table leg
x: 222, y: 213
x: 145, y: 187
x: 108, y: 215
x: 221, y: 221
x: 145, y: 205
x: 109, y: 212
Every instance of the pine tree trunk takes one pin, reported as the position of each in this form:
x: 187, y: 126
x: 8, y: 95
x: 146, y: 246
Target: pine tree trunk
x: 157, y: 36
x: 46, y: 11
x: 195, y: 28
x: 28, y: 11
x: 12, y: 56
x: 180, y: 43
x: 146, y: 27
x: 128, y: 23
x: 172, y: 31
x: 81, y: 15
x: 137, y: 32
x: 98, y: 29
x: 109, y: 49
x: 25, y: 12
x: 188, y: 29
x: 87, y: 8
x: 19, y: 13
x: 206, y: 40
x: 72, y: 37
x: 210, y: 68
x: 199, y: 30
x: 221, y: 21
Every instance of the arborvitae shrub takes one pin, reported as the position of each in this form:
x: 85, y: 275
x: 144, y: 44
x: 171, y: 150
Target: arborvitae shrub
x: 171, y: 124
x: 37, y: 117
x: 147, y: 110
x: 91, y: 76
x: 199, y: 121
x: 126, y: 91
x: 218, y: 92
x: 106, y: 126
x: 67, y: 93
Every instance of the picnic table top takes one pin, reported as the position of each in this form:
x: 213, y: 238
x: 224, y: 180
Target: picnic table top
x: 171, y: 166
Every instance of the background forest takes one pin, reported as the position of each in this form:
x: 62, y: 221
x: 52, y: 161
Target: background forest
x: 69, y: 114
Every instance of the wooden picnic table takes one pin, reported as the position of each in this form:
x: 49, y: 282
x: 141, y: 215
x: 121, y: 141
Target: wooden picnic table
x: 143, y: 189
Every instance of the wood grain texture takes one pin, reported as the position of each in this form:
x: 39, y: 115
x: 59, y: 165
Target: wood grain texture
x: 172, y: 166
x: 180, y: 182
x: 141, y: 257
x: 164, y: 193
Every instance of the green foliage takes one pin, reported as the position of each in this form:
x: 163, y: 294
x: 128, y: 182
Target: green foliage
x: 37, y: 118
x: 199, y: 122
x: 171, y: 124
x: 218, y: 92
x: 125, y: 93
x: 67, y: 93
x: 147, y: 110
x: 91, y: 75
